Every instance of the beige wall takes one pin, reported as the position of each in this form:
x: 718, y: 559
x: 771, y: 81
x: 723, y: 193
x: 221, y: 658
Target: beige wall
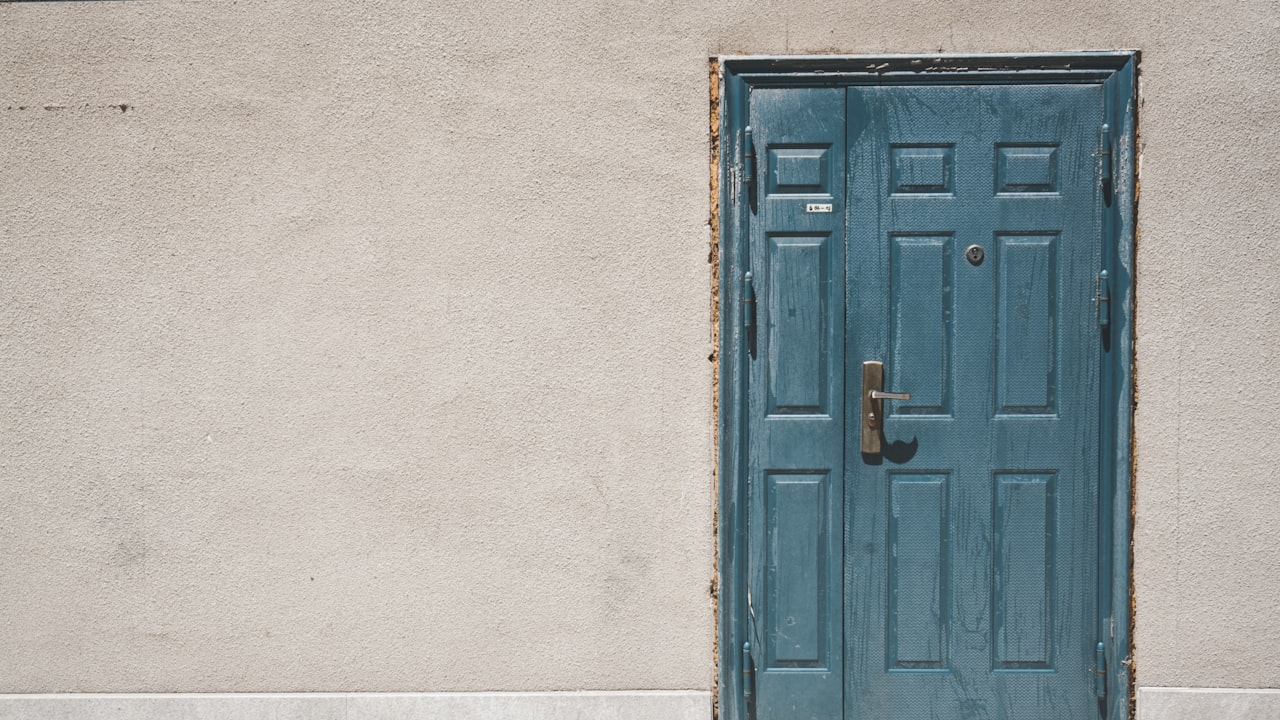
x: 367, y: 347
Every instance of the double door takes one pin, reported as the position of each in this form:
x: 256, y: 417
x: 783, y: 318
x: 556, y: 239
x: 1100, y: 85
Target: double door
x: 933, y: 557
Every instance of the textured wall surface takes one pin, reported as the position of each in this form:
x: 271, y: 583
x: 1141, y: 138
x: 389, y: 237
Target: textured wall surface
x: 363, y: 345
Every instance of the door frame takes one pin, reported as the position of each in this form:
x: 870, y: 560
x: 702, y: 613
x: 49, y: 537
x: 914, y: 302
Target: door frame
x: 1116, y: 71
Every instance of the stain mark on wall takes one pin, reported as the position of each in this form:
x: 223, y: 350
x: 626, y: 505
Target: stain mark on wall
x: 82, y: 108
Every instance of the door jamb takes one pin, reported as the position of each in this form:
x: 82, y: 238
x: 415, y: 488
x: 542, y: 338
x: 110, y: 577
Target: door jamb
x: 1117, y: 73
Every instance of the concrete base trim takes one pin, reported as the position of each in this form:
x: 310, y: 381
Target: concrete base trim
x: 623, y: 705
x: 1180, y: 703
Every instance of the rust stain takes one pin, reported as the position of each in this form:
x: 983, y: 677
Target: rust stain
x: 1131, y: 660
x: 713, y: 258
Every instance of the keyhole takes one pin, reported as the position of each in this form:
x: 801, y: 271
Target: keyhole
x: 974, y: 254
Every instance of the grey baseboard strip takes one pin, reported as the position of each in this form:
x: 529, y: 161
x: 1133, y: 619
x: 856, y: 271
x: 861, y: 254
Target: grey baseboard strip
x: 1188, y: 703
x: 618, y: 705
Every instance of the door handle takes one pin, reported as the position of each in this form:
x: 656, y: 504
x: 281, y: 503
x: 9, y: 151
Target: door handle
x: 873, y: 397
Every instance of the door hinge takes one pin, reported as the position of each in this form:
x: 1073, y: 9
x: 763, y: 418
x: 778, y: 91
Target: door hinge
x: 1102, y: 298
x: 748, y: 670
x: 748, y: 160
x: 1105, y: 155
x: 748, y: 301
x: 1100, y: 670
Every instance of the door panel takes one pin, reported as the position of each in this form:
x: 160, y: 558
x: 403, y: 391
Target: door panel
x: 918, y: 623
x: 1023, y: 566
x: 1026, y: 304
x: 993, y: 462
x: 921, y: 337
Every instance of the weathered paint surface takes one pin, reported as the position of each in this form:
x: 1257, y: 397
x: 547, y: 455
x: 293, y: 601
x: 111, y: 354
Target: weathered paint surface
x: 411, y: 299
x: 954, y: 570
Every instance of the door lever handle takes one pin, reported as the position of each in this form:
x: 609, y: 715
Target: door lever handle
x: 873, y: 397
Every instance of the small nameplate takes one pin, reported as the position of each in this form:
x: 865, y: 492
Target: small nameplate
x: 818, y: 207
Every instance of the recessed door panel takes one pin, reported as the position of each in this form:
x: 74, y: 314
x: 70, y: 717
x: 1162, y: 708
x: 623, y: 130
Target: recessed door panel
x: 920, y: 312
x: 799, y: 542
x: 1026, y: 366
x: 919, y: 572
x: 798, y: 316
x: 1024, y: 547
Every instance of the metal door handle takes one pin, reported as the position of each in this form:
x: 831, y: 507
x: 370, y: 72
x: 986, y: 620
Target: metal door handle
x: 873, y: 397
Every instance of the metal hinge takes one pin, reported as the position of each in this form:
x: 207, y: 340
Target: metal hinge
x: 1102, y: 299
x: 1105, y: 155
x: 748, y: 301
x: 748, y: 159
x: 1100, y: 670
x: 748, y: 670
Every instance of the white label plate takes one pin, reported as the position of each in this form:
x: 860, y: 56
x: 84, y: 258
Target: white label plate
x: 818, y: 207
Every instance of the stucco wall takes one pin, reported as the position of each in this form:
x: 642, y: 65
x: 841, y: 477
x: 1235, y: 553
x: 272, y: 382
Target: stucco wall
x: 364, y: 345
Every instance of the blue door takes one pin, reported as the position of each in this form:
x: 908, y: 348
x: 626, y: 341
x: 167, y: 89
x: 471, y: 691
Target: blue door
x: 933, y: 557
